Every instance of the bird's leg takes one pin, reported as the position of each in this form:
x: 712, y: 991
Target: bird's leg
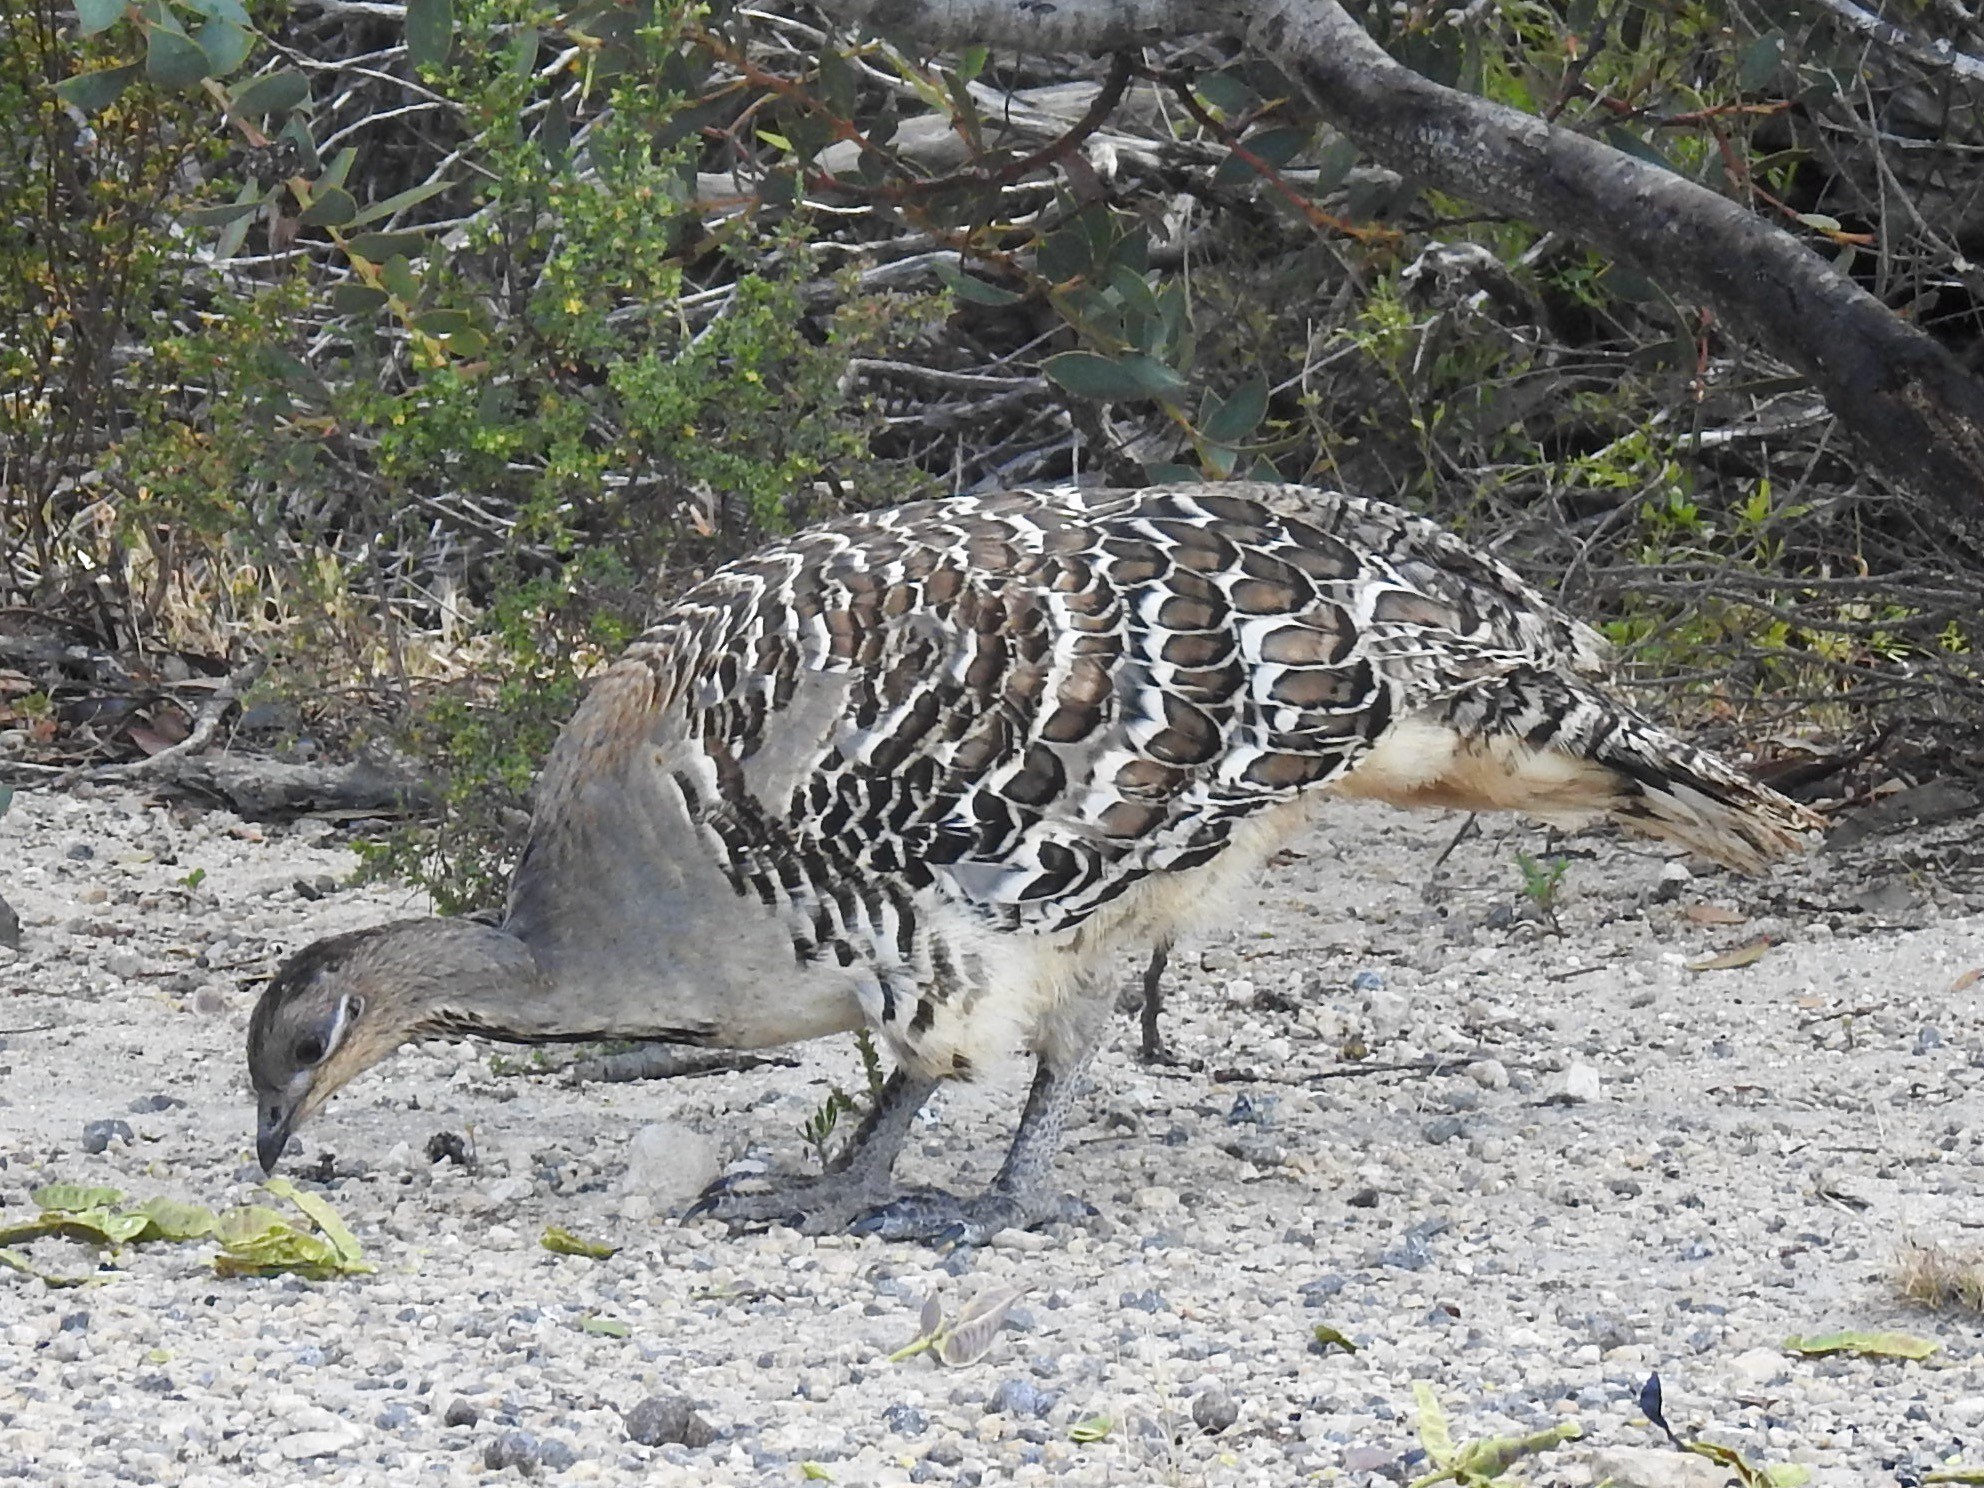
x: 857, y: 1183
x: 1018, y: 1197
x: 1153, y: 1050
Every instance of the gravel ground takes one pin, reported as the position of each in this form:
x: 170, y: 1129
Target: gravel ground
x: 1622, y: 1165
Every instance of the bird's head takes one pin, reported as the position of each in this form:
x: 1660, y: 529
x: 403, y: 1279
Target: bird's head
x: 338, y: 1007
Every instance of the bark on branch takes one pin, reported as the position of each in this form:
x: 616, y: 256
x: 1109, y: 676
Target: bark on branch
x: 1911, y: 406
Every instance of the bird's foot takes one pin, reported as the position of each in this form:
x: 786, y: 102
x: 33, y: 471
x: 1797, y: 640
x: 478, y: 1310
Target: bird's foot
x: 814, y: 1206
x: 946, y: 1220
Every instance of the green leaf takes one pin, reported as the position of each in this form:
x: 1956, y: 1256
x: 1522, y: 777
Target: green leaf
x: 93, y: 16
x: 321, y: 1214
x: 812, y: 1472
x: 380, y: 246
x: 1819, y: 222
x: 1433, y: 1433
x: 1226, y: 91
x: 356, y: 299
x: 430, y: 31
x: 561, y: 1241
x: 400, y: 201
x: 400, y: 280
x: 1091, y: 1429
x: 222, y: 215
x: 14, y: 1260
x: 6, y: 798
x: 1275, y: 147
x: 91, y: 91
x: 605, y: 1327
x: 974, y: 291
x: 1760, y: 61
x: 1331, y: 1338
x: 172, y: 58
x: 224, y: 44
x: 442, y: 322
x: 1974, y: 1475
x: 221, y: 10
x: 74, y: 1197
x: 1113, y: 379
x: 171, y: 1219
x: 1233, y: 420
x: 331, y: 207
x: 273, y: 93
x: 1876, y: 1345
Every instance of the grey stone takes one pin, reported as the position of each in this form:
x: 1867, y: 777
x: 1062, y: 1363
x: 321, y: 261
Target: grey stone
x: 460, y: 1413
x: 98, y: 1135
x: 1652, y: 1467
x: 10, y: 926
x: 661, y: 1419
x: 670, y: 1163
x: 1214, y: 1410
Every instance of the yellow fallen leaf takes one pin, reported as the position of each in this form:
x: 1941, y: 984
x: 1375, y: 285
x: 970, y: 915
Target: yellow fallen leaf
x: 1749, y: 952
x: 1968, y: 980
x: 1713, y: 914
x: 1875, y: 1345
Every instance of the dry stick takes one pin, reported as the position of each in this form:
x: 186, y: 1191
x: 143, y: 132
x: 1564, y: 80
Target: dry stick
x: 206, y: 724
x: 1917, y: 411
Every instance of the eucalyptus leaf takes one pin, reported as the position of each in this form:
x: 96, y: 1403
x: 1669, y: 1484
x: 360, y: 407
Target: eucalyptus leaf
x: 322, y: 1215
x: 400, y: 202
x: 172, y: 58
x: 93, y: 16
x: 357, y: 299
x: 331, y: 207
x: 430, y: 31
x: 225, y: 44
x: 606, y: 1327
x: 91, y: 91
x: 380, y: 246
x: 221, y: 10
x: 273, y: 93
x: 173, y: 1219
x: 1759, y: 63
x: 1113, y: 379
x: 74, y: 1197
x: 1234, y: 418
x: 974, y: 291
x: 222, y: 215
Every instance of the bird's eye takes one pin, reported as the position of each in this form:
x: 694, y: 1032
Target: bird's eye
x: 309, y: 1049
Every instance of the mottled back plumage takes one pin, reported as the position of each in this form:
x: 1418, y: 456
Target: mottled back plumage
x: 1012, y: 711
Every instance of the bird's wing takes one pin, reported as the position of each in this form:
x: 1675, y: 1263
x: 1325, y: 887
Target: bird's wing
x: 1032, y: 701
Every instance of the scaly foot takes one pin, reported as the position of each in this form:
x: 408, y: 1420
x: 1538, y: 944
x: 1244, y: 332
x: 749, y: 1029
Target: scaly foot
x: 829, y: 1205
x: 946, y: 1220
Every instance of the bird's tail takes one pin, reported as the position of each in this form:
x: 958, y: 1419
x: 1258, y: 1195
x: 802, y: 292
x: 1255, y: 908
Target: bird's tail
x: 1559, y: 749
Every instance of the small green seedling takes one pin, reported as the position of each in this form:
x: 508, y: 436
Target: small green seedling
x: 818, y: 1129
x: 1541, y: 883
x: 1474, y: 1463
x: 971, y: 1337
x: 561, y: 1241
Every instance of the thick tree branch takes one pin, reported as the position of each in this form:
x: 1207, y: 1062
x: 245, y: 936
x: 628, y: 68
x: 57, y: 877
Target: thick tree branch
x: 1913, y: 408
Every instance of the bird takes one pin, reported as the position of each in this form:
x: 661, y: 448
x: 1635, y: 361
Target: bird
x: 932, y: 770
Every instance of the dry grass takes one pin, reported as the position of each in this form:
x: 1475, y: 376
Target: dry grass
x: 1941, y: 1276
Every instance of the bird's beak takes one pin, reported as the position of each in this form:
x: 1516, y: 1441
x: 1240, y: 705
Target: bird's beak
x: 277, y: 1118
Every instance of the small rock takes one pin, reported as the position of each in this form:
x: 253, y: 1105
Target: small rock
x: 518, y: 1449
x: 1650, y: 1467
x: 1758, y: 1366
x: 1364, y: 1198
x: 460, y: 1412
x: 1489, y: 1074
x: 209, y: 1002
x: 449, y: 1146
x: 1251, y: 1110
x: 1928, y: 1037
x: 98, y: 1135
x: 1366, y: 1458
x: 1367, y: 981
x: 670, y: 1163
x: 1149, y: 1300
x: 10, y: 926
x: 146, y: 1105
x: 1387, y: 1011
x: 1214, y: 1410
x: 663, y: 1419
x: 1674, y: 877
x: 1019, y: 1397
x: 79, y: 852
x: 301, y: 1446
x: 1218, y: 959
x: 1575, y: 1087
x: 905, y: 1420
x: 1441, y: 1130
